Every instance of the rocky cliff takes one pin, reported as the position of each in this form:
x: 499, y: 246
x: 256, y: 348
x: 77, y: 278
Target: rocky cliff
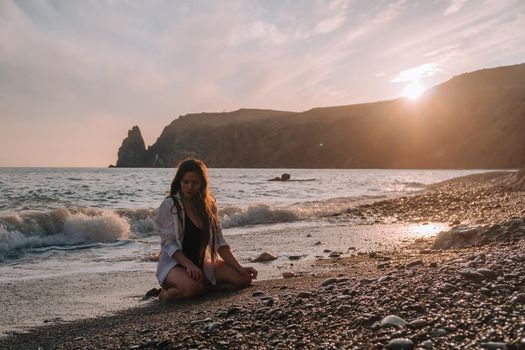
x: 475, y: 120
x: 133, y: 152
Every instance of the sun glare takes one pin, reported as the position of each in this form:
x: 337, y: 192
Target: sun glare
x: 413, y: 90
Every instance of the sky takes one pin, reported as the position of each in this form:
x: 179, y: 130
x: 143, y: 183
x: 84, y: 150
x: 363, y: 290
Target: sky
x: 75, y: 76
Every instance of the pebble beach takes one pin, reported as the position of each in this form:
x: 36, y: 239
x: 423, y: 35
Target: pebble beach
x: 461, y: 289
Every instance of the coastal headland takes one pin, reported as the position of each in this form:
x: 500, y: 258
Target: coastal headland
x: 473, y: 121
x: 461, y: 289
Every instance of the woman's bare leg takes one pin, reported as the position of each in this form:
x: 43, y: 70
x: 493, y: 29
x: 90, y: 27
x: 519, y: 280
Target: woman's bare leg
x: 179, y: 285
x: 228, y: 278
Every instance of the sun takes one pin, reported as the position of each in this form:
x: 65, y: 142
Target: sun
x: 413, y: 90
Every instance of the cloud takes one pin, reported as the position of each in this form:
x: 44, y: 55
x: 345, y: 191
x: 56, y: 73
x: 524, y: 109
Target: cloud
x: 454, y: 6
x: 330, y: 24
x: 65, y: 64
x: 417, y: 73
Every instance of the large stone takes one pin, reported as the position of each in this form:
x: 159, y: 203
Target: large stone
x: 265, y: 256
x: 400, y: 344
x: 393, y: 321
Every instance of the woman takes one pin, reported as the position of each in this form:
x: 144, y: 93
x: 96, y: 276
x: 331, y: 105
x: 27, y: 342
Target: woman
x: 191, y: 239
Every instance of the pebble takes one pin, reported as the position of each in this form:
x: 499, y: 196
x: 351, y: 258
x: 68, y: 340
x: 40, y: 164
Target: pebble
x: 518, y: 298
x: 415, y: 263
x: 257, y: 293
x: 304, y: 294
x: 213, y: 326
x: 288, y: 274
x: 493, y: 345
x: 400, y: 344
x: 501, y: 286
x: 427, y: 344
x: 329, y: 281
x: 419, y: 323
x: 487, y: 273
x: 204, y: 320
x: 472, y: 275
x: 265, y: 256
x: 439, y: 333
x: 382, y: 265
x: 393, y: 321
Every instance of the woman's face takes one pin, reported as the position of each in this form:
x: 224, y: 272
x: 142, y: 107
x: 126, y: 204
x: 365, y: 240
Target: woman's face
x: 190, y: 184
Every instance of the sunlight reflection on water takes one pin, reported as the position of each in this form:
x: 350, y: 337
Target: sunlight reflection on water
x: 427, y: 230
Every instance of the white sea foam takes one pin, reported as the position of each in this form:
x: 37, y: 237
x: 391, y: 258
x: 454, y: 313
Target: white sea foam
x: 256, y: 215
x: 68, y: 227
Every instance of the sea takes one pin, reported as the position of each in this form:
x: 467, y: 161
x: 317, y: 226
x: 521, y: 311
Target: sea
x: 59, y: 221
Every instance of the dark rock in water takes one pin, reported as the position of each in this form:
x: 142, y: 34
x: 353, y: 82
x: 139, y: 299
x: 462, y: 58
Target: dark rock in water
x: 133, y: 152
x: 264, y: 257
x: 284, y: 177
x: 393, y: 321
x: 400, y: 344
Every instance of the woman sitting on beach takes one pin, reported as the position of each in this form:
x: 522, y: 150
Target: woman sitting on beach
x: 191, y: 239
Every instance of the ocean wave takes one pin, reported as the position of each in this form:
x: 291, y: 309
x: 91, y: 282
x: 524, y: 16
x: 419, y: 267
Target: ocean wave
x: 262, y: 214
x: 411, y: 183
x: 76, y: 227
x: 256, y: 215
x: 86, y: 227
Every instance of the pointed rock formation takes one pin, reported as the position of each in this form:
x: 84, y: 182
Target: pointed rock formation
x: 133, y: 152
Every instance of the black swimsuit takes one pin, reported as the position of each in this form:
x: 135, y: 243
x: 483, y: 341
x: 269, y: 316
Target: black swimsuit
x: 194, y: 242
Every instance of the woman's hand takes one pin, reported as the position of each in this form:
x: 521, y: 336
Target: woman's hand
x: 248, y: 272
x: 194, y: 272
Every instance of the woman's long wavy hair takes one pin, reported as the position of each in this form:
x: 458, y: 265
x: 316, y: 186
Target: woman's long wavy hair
x: 204, y: 199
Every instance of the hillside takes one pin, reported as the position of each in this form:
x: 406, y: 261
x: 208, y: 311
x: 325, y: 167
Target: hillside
x: 474, y: 120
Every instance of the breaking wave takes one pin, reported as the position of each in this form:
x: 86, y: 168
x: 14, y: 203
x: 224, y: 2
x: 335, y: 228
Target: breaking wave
x: 81, y: 227
x: 70, y: 227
